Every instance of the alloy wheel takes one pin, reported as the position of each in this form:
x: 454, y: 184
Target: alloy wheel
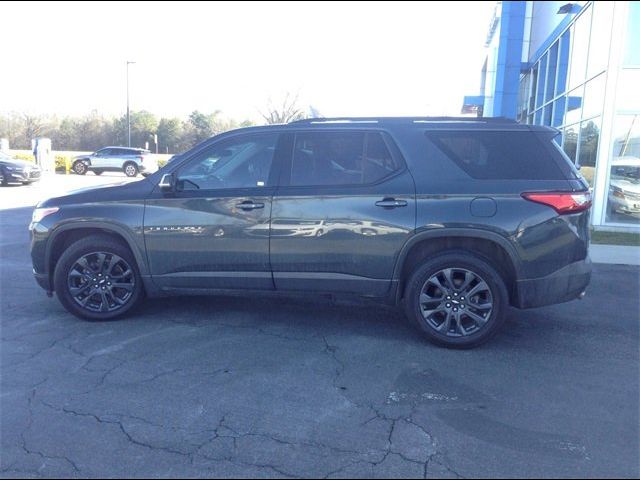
x: 456, y: 302
x: 101, y: 282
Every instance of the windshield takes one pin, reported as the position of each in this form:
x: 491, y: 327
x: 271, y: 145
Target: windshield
x: 629, y: 173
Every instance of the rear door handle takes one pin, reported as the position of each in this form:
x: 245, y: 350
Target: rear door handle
x: 249, y: 205
x: 391, y: 203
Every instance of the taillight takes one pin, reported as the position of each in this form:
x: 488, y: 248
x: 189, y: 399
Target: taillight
x: 563, y: 203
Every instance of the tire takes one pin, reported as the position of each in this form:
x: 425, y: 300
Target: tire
x: 98, y: 172
x: 70, y: 271
x: 80, y: 168
x: 3, y: 179
x: 449, y: 306
x: 130, y: 169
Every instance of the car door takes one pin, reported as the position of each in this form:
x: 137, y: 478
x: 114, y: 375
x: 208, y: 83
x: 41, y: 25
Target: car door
x: 117, y: 158
x: 343, y: 211
x: 100, y: 159
x: 212, y: 231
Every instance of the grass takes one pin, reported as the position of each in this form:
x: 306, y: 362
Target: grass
x: 615, y: 238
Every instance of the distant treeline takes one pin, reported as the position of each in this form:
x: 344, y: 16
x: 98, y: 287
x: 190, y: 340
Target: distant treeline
x: 93, y: 131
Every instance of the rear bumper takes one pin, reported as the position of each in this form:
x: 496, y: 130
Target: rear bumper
x: 564, y: 285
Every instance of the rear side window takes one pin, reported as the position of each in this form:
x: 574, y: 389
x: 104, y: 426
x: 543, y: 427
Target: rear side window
x: 340, y: 158
x: 498, y: 155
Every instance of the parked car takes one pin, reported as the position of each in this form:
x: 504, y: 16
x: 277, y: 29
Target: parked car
x: 131, y: 161
x: 624, y: 185
x: 455, y: 219
x: 13, y: 170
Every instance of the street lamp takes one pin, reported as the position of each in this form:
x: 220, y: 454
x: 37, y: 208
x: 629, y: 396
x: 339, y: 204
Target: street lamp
x: 128, y: 114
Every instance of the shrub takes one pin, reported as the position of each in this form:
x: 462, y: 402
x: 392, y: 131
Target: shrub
x: 60, y: 160
x: 27, y: 157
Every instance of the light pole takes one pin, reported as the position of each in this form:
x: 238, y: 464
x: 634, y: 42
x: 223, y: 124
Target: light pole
x: 128, y: 114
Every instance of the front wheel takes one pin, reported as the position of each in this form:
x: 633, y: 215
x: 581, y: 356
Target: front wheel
x: 457, y: 299
x: 80, y: 168
x: 97, y: 278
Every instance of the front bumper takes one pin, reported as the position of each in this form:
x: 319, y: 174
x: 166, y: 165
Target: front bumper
x: 564, y: 285
x: 43, y: 280
x: 22, y: 176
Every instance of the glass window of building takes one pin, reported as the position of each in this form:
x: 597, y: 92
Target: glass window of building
x: 578, y: 65
x: 594, y: 97
x: 570, y: 141
x: 574, y: 105
x: 547, y: 115
x: 623, y: 192
x: 552, y: 64
x: 542, y: 74
x: 534, y: 86
x: 588, y: 150
x: 558, y: 111
x: 563, y: 62
x: 628, y: 91
x: 632, y: 51
x: 600, y: 38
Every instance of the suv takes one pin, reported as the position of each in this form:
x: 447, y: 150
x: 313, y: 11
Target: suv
x: 131, y: 161
x: 455, y: 219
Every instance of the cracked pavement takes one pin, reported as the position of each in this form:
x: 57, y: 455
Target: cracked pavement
x: 288, y: 388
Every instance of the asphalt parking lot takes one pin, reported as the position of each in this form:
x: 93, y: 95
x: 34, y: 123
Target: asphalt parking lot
x: 223, y: 387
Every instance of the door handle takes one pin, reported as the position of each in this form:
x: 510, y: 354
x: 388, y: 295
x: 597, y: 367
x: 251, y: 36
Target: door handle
x: 249, y: 205
x: 391, y: 203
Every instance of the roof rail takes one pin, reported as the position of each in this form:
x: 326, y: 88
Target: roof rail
x: 308, y: 121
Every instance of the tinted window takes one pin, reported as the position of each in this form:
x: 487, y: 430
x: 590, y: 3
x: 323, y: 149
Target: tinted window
x: 498, y: 155
x: 340, y: 158
x: 378, y: 160
x: 238, y: 163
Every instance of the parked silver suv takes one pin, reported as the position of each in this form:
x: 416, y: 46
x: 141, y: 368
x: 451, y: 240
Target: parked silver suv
x: 131, y: 161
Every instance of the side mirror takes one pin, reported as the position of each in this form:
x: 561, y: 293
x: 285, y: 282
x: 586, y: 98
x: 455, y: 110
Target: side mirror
x: 167, y: 183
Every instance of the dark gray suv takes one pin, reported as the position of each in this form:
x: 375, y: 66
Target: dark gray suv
x: 456, y: 219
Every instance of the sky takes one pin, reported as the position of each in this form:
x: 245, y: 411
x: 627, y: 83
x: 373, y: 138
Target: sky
x: 343, y: 58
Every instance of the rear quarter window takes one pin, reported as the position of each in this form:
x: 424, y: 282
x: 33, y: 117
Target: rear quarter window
x: 496, y: 155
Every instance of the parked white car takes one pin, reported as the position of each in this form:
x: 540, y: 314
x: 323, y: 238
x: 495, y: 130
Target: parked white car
x: 131, y: 161
x: 624, y: 185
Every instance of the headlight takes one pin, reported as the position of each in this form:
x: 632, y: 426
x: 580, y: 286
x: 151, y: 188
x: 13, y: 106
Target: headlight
x: 12, y: 169
x: 40, y: 213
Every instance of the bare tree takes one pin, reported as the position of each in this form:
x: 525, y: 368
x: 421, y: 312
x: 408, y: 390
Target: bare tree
x: 287, y: 111
x: 33, y: 126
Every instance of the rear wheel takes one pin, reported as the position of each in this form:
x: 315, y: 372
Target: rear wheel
x: 130, y: 169
x: 80, y: 168
x: 97, y: 278
x: 457, y: 299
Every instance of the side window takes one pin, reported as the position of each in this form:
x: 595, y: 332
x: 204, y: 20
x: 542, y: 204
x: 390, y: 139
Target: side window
x: 103, y: 152
x: 340, y: 158
x: 244, y: 162
x: 498, y: 155
x: 378, y: 160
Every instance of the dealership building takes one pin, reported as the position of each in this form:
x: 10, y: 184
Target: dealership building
x: 575, y: 67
